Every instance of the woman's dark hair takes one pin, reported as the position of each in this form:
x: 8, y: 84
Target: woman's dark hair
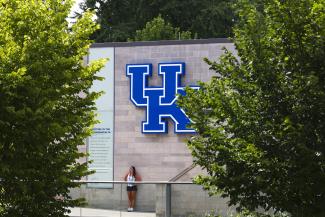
x: 134, y: 171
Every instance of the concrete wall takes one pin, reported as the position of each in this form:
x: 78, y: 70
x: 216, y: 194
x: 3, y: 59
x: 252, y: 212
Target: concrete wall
x: 157, y: 157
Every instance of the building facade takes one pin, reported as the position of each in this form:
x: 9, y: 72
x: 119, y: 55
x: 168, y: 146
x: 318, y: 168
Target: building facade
x: 120, y: 142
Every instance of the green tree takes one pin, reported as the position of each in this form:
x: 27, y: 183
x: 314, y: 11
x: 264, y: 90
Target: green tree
x: 260, y: 121
x: 119, y: 19
x: 46, y: 107
x: 207, y: 18
x: 158, y: 29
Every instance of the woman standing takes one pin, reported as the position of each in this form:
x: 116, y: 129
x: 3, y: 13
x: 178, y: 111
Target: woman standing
x: 131, y: 188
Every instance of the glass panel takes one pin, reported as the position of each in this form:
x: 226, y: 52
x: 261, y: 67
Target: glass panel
x: 113, y: 202
x: 186, y: 200
x: 190, y: 200
x: 145, y: 202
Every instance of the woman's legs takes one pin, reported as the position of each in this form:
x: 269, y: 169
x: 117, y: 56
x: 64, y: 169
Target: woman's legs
x: 133, y: 196
x: 130, y: 198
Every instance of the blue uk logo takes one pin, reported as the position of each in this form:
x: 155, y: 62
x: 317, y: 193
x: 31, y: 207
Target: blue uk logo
x: 160, y: 102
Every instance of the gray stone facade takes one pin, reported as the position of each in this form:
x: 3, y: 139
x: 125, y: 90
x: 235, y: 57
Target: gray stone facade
x: 157, y: 157
x: 160, y: 156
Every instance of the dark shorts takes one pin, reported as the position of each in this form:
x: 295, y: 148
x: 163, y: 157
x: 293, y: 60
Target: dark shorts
x: 131, y: 188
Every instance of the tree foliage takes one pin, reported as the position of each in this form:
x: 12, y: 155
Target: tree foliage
x: 158, y: 29
x: 46, y: 108
x: 261, y: 119
x: 119, y: 19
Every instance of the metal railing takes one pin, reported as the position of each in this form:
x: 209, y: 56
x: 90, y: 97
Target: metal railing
x: 136, y: 182
x: 182, y: 173
x: 155, y: 199
x: 167, y: 187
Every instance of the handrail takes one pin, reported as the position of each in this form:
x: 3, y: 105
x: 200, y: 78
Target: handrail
x: 182, y: 173
x: 118, y: 182
x: 126, y: 182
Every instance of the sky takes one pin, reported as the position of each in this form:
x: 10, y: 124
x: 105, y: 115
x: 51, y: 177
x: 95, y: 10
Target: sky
x: 76, y: 5
x: 75, y: 8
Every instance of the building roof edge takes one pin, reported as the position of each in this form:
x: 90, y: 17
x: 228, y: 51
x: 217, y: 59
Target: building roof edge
x: 160, y: 43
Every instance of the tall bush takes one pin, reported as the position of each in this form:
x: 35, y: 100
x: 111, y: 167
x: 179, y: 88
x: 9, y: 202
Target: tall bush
x: 261, y: 120
x: 46, y: 108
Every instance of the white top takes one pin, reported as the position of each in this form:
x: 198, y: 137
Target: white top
x: 131, y: 179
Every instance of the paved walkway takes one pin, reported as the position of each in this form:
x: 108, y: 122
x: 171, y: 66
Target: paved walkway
x: 87, y: 212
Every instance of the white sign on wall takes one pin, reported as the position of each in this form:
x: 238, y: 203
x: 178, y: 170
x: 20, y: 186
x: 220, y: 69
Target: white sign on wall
x: 101, y: 143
